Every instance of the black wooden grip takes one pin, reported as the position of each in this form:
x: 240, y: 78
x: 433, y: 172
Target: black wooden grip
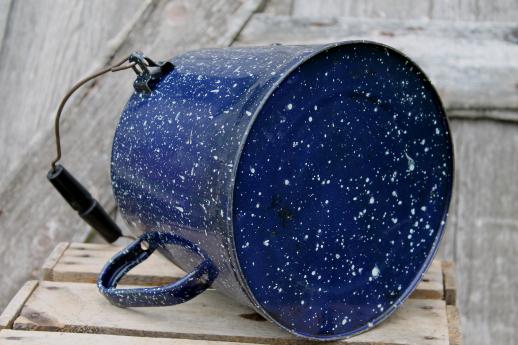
x: 83, y: 202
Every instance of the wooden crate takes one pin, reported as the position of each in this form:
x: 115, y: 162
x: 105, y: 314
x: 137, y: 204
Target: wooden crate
x: 64, y: 307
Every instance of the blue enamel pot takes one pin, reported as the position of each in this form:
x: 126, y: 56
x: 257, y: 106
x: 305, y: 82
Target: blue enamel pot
x: 311, y: 183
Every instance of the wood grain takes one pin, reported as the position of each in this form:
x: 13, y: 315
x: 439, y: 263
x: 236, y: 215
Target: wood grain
x: 278, y: 7
x: 473, y: 65
x: 5, y: 9
x: 431, y: 283
x: 47, y: 268
x: 399, y: 9
x: 39, y: 30
x: 11, y: 312
x: 82, y: 262
x: 47, y: 46
x: 10, y: 337
x: 473, y: 10
x: 450, y: 285
x: 454, y: 328
x: 485, y: 231
x: 77, y: 307
x: 164, y: 28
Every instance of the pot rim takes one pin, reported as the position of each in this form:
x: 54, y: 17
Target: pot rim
x: 232, y: 252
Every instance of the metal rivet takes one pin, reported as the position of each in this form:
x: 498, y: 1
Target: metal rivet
x: 144, y: 245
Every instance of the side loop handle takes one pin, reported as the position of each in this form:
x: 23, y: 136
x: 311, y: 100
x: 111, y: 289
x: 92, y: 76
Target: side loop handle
x: 194, y: 283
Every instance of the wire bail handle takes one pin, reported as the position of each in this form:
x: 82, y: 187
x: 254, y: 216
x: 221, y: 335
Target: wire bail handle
x: 143, y: 84
x: 148, y: 73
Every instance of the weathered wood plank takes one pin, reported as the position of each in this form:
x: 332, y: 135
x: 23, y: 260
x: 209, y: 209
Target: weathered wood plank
x: 450, y: 285
x: 473, y: 65
x: 76, y: 307
x: 162, y: 30
x: 486, y: 230
x: 47, y: 268
x: 30, y: 236
x: 476, y: 10
x: 431, y: 284
x: 278, y: 7
x: 11, y: 337
x: 502, y: 115
x: 399, y: 9
x: 454, y: 329
x: 11, y: 312
x: 5, y: 10
x: 82, y: 262
x: 473, y: 10
x: 48, y: 45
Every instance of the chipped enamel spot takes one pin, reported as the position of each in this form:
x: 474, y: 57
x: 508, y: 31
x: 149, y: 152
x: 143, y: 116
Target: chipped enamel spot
x: 375, y: 272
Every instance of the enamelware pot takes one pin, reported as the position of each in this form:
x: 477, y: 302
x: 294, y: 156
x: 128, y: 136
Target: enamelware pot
x: 311, y: 183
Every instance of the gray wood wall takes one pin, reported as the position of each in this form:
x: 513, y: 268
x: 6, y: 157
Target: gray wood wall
x: 469, y: 48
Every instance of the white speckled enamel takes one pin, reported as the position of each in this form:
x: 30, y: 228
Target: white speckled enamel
x: 316, y: 178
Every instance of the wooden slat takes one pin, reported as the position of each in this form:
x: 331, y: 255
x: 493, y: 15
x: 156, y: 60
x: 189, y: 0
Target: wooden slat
x: 454, y: 329
x: 450, y: 285
x: 11, y: 312
x: 10, y: 337
x: 431, y: 286
x: 473, y: 65
x: 48, y: 266
x: 82, y: 262
x: 78, y: 307
x: 34, y: 216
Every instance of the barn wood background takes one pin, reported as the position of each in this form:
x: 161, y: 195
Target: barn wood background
x: 469, y: 48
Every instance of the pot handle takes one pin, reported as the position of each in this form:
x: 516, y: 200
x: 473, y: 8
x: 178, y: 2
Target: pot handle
x: 178, y: 292
x: 148, y: 73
